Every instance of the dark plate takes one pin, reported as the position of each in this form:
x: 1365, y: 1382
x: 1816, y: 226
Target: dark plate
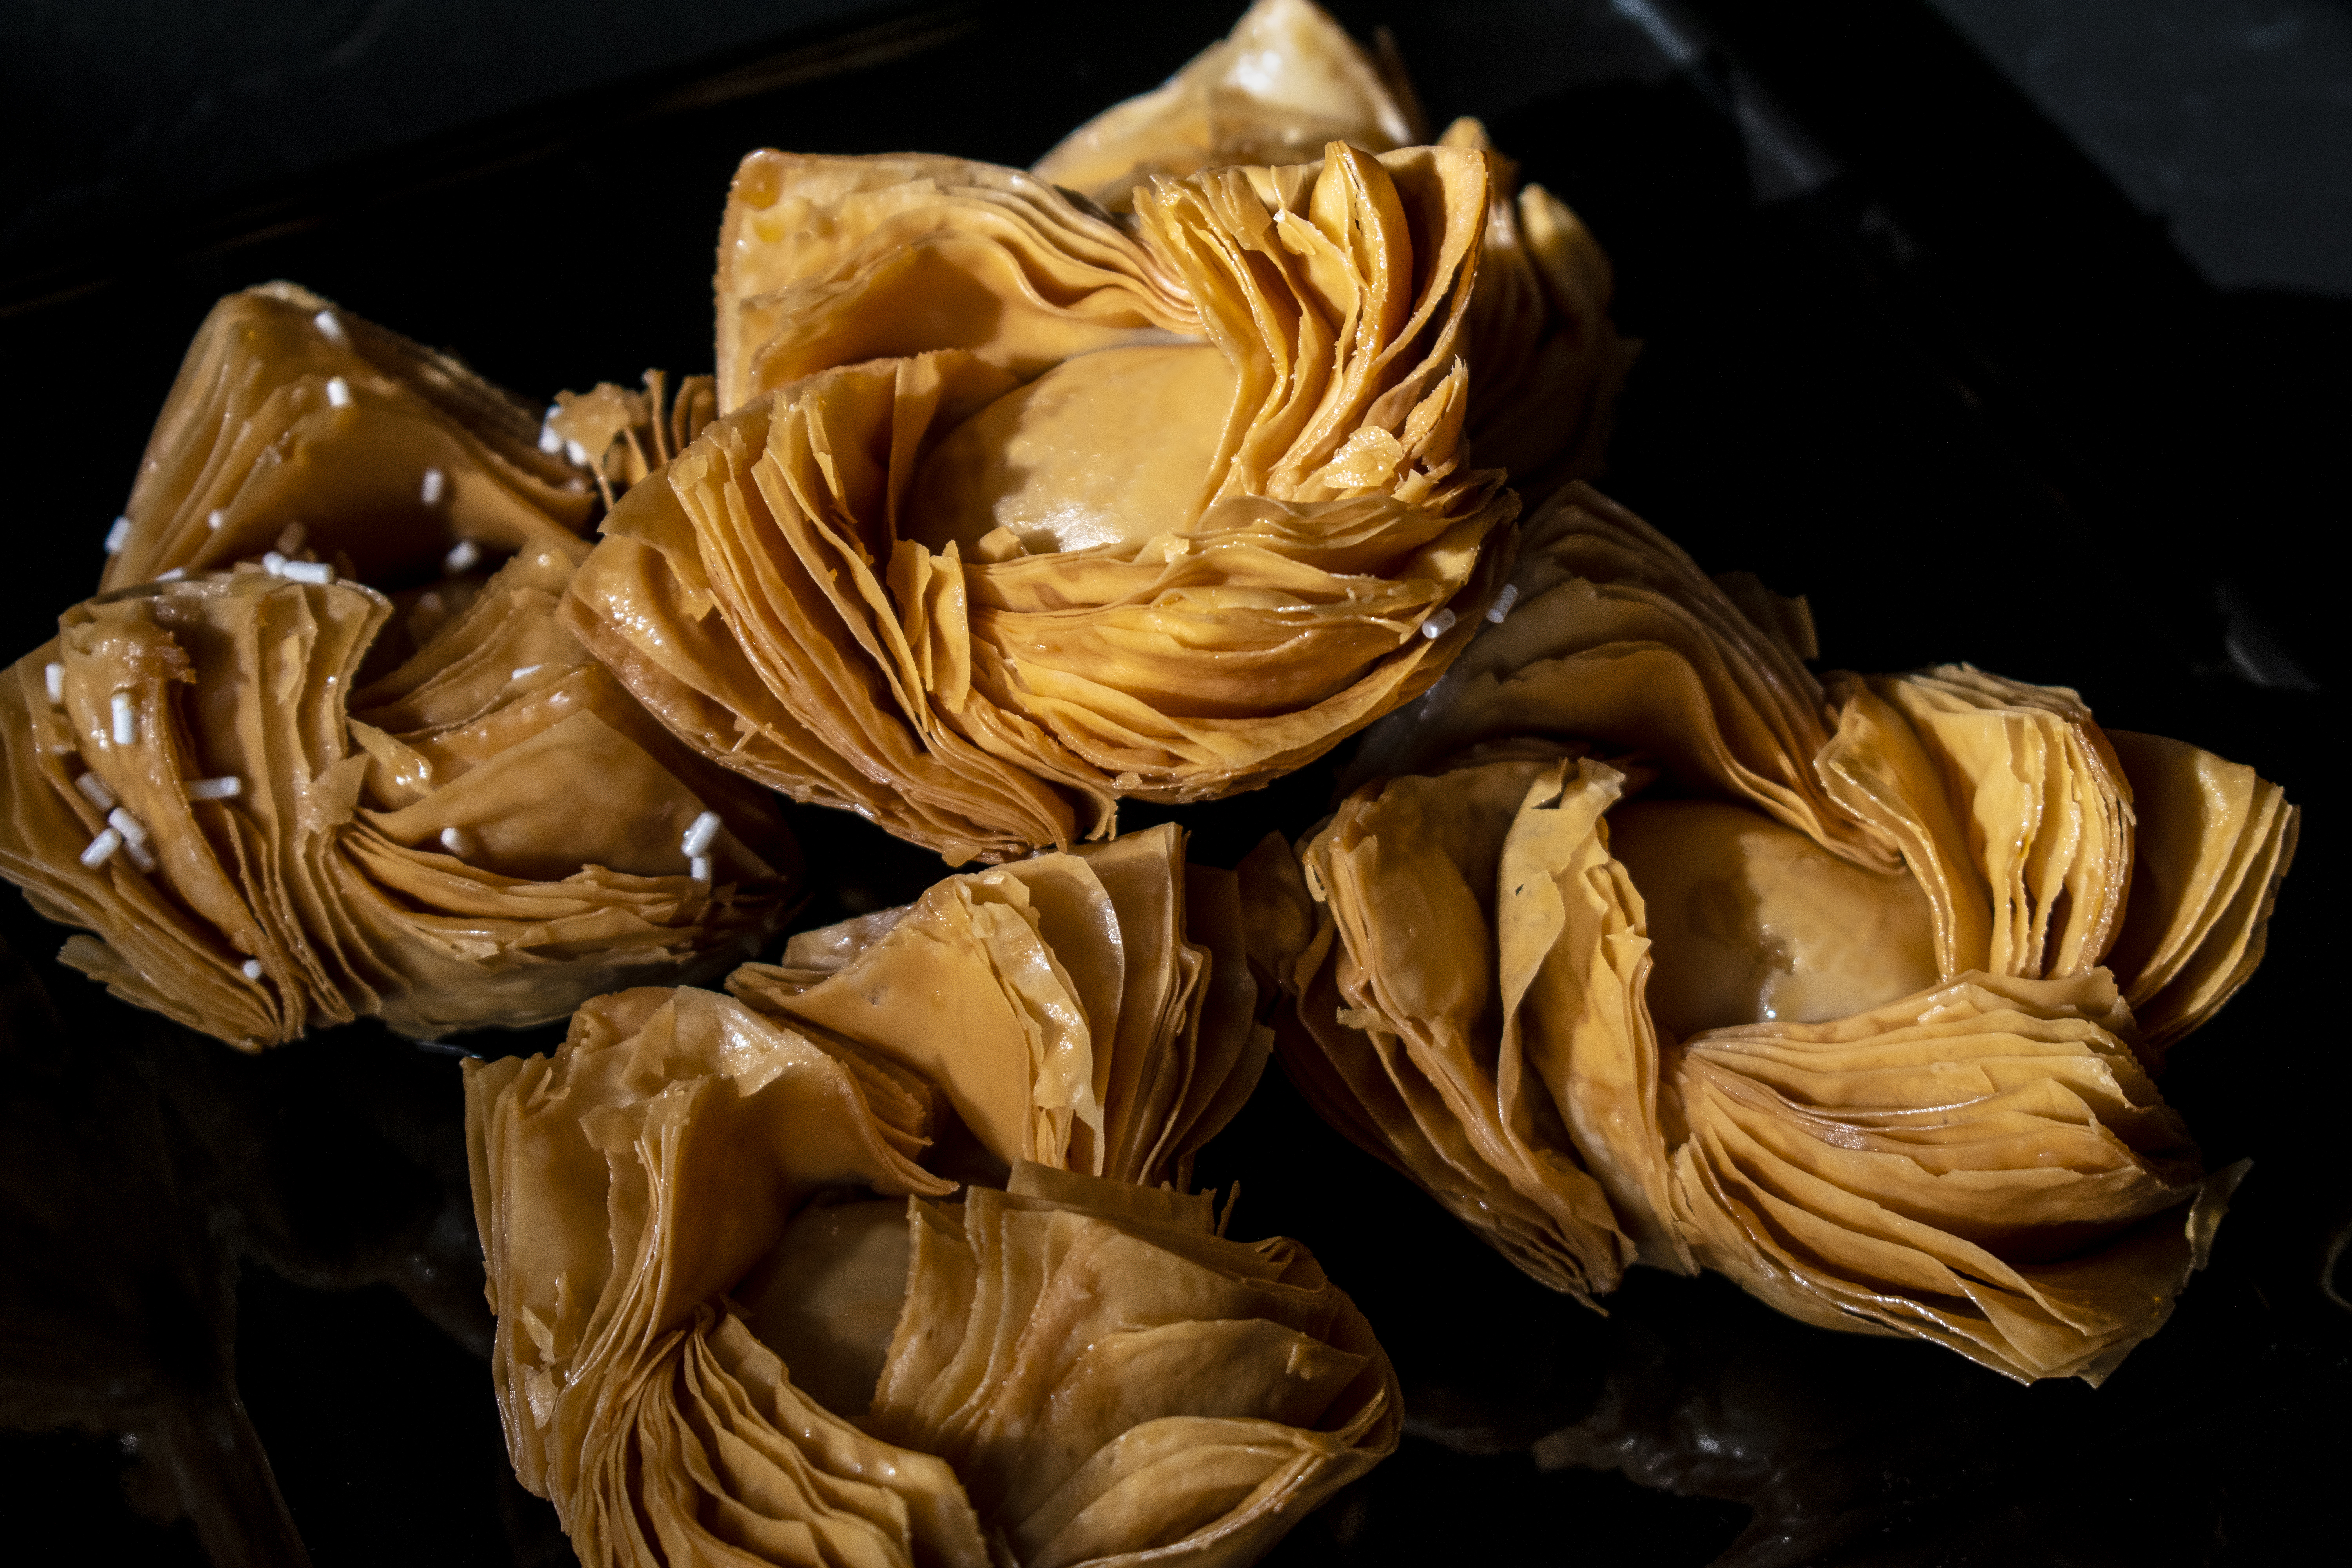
x: 1907, y: 352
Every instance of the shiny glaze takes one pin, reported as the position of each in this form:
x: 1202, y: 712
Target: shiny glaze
x: 1752, y: 922
x: 1106, y: 448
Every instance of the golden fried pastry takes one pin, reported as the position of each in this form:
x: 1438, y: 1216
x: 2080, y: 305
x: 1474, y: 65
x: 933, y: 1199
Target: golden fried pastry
x: 737, y: 1325
x: 1983, y: 1165
x: 299, y: 429
x: 1108, y: 1375
x: 272, y: 820
x: 1016, y: 509
x: 1286, y: 80
x: 1606, y: 632
x: 2213, y: 842
x: 620, y: 437
x: 1093, y: 1010
x: 1545, y: 361
x: 1636, y: 943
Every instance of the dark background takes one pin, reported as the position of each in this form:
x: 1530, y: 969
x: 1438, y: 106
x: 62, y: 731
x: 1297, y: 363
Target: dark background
x: 2009, y: 331
x: 2230, y: 118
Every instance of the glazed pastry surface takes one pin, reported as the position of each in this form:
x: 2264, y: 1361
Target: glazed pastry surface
x: 1636, y: 941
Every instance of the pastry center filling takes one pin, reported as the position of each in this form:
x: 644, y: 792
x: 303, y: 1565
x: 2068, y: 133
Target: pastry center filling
x: 1751, y: 921
x: 1111, y: 448
x: 827, y: 1299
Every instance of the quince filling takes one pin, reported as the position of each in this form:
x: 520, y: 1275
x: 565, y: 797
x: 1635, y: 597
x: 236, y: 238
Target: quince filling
x: 1751, y: 921
x: 828, y: 1297
x: 1111, y: 448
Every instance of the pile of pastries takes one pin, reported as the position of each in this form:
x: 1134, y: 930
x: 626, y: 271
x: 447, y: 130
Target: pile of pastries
x: 1253, y: 421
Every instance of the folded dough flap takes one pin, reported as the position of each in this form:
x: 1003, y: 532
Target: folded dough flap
x: 1463, y: 912
x: 1056, y: 1333
x: 716, y: 1456
x: 1073, y: 1008
x: 1984, y: 1164
x: 724, y: 1123
x: 1286, y: 80
x: 834, y: 260
x: 1613, y: 635
x: 622, y: 1186
x: 698, y: 1291
x: 287, y: 411
x: 577, y: 793
x: 2214, y: 843
x: 2046, y: 804
x: 964, y: 991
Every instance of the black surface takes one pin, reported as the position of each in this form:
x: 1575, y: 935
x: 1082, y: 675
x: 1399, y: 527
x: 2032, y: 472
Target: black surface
x: 113, y: 111
x: 1947, y: 382
x: 2231, y: 119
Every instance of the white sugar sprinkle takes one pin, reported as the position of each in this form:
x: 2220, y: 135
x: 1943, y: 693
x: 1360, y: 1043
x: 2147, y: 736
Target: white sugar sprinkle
x: 549, y: 441
x: 94, y: 789
x: 458, y: 841
x: 526, y: 672
x: 141, y: 856
x: 435, y: 482
x: 101, y: 849
x: 215, y: 517
x: 174, y: 575
x: 339, y: 392
x: 701, y: 835
x: 118, y: 536
x: 122, y: 820
x: 126, y: 720
x: 462, y: 556
x: 700, y: 869
x: 274, y: 564
x: 1438, y: 625
x: 252, y: 967
x: 1500, y: 610
x: 55, y: 674
x: 330, y: 327
x: 577, y: 453
x: 228, y: 787
x: 308, y: 571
